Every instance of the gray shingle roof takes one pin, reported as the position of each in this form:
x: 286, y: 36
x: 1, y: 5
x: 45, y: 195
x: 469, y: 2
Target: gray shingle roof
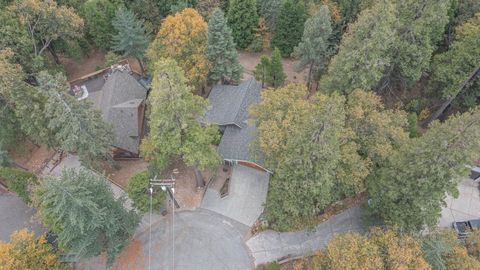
x: 238, y: 144
x: 229, y: 104
x: 121, y: 98
x: 229, y: 107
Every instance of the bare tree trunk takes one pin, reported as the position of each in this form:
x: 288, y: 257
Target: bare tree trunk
x: 309, y: 82
x: 54, y: 54
x: 464, y: 85
x: 198, y: 177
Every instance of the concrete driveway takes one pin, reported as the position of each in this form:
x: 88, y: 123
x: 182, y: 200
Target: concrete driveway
x: 203, y: 240
x: 246, y: 197
x: 465, y: 207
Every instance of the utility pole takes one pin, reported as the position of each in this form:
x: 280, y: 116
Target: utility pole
x: 167, y: 185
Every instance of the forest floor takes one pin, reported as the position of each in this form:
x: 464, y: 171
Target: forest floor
x: 93, y: 61
x: 30, y: 156
x: 249, y: 60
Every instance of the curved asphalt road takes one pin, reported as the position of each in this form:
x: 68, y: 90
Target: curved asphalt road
x: 203, y: 240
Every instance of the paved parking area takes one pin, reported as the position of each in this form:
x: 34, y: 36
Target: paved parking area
x: 465, y: 207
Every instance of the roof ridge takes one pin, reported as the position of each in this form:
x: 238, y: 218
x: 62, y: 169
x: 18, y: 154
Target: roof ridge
x: 242, y: 103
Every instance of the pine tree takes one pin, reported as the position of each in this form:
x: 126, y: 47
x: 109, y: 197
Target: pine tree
x: 174, y: 126
x: 261, y: 70
x: 131, y: 38
x: 24, y: 100
x: 275, y: 75
x: 221, y: 51
x: 99, y: 15
x: 243, y: 18
x: 289, y: 28
x: 315, y: 48
x: 81, y: 210
x: 419, y: 28
x: 365, y: 51
x: 451, y: 68
x: 410, y: 190
x: 269, y: 9
x: 75, y: 125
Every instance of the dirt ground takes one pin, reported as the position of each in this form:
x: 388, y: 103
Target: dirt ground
x: 250, y: 59
x: 92, y: 62
x: 31, y: 157
x: 186, y: 192
x: 125, y: 170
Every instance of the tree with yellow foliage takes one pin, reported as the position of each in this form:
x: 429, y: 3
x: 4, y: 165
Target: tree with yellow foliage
x: 26, y: 252
x: 381, y: 249
x: 183, y: 37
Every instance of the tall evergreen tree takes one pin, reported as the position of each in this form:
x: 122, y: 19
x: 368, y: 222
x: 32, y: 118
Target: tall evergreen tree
x: 98, y: 16
x: 289, y: 27
x: 365, y: 51
x: 315, y: 48
x: 75, y: 125
x: 261, y: 70
x: 275, y: 75
x: 27, y: 103
x: 131, y: 38
x: 174, y: 126
x: 269, y: 9
x: 410, y: 190
x: 82, y: 211
x: 221, y: 51
x: 420, y: 25
x: 243, y: 18
x: 451, y: 68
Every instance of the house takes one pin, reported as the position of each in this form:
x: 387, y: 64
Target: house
x: 119, y: 93
x: 228, y: 109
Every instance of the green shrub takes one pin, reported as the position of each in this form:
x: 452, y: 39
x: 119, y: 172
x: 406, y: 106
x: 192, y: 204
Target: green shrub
x: 413, y: 125
x: 272, y: 266
x: 137, y: 190
x: 18, y: 181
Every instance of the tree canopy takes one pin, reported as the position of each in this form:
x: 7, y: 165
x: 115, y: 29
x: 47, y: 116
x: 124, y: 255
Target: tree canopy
x: 174, y: 127
x: 221, y: 51
x: 243, y: 18
x: 409, y: 191
x: 451, y: 68
x: 98, y: 15
x: 45, y: 22
x: 82, y: 211
x: 315, y: 50
x: 25, y: 251
x: 131, y: 37
x: 183, y: 37
x: 289, y: 27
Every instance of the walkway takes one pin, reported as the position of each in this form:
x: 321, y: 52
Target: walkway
x: 271, y: 246
x: 246, y: 197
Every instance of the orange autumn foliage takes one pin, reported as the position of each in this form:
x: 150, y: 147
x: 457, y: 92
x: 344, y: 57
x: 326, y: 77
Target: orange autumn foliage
x: 183, y: 37
x: 26, y: 252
